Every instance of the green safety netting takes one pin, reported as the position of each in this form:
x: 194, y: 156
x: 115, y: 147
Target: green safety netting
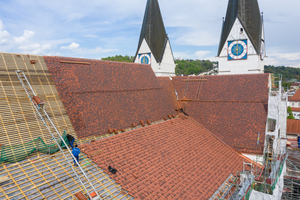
x: 16, y: 153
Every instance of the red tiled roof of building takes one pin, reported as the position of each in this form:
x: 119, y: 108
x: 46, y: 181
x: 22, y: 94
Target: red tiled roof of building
x: 293, y: 126
x: 250, y: 87
x: 296, y: 96
x: 175, y: 159
x: 99, y: 95
x: 167, y: 85
x: 296, y: 84
x: 295, y: 109
x: 233, y: 107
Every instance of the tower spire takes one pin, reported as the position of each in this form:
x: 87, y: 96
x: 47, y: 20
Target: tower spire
x: 247, y: 11
x: 154, y: 47
x: 153, y: 30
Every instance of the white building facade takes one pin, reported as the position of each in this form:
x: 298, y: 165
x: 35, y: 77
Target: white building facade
x: 242, y: 43
x: 154, y: 46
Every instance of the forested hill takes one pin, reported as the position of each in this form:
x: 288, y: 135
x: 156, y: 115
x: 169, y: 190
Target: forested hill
x: 183, y: 67
x: 288, y: 73
x: 120, y: 58
x: 188, y: 67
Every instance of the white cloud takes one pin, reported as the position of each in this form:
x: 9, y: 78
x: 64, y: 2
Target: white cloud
x: 91, y: 36
x: 1, y: 25
x: 278, y: 58
x: 47, y: 47
x: 72, y: 46
x: 287, y: 56
x: 35, y: 49
x: 100, y: 50
x: 202, y: 54
x: 4, y: 35
x: 25, y: 38
x: 197, y: 38
x: 30, y: 47
x: 74, y: 16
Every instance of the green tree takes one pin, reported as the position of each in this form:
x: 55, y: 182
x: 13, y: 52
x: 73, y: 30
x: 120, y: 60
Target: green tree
x: 120, y: 58
x: 189, y: 66
x: 289, y: 110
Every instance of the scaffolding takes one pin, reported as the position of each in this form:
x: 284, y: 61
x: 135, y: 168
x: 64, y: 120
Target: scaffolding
x: 291, y: 189
x: 266, y: 181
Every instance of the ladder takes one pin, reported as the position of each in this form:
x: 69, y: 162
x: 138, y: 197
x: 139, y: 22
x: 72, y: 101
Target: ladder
x: 40, y: 110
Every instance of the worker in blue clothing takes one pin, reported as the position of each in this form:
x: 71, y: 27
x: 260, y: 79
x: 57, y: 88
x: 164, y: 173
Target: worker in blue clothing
x: 76, y: 152
x: 298, y: 141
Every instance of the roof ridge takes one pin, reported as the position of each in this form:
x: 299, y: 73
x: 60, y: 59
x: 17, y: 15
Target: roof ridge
x: 97, y: 60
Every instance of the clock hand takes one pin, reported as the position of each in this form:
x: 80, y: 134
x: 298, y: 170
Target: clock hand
x: 237, y: 49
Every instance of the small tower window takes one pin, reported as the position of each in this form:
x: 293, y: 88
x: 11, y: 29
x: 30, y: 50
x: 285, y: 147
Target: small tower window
x: 242, y: 30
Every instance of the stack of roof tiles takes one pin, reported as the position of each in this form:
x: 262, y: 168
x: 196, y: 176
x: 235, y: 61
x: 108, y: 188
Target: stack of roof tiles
x: 233, y: 107
x: 102, y: 95
x: 175, y: 159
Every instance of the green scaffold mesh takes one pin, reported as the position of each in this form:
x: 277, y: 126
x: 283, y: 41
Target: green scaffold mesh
x: 16, y: 153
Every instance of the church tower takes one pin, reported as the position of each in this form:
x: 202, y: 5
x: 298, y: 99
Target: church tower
x: 242, y: 43
x: 154, y: 46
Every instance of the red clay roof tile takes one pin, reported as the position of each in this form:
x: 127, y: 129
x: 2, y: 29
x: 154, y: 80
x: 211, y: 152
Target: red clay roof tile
x: 233, y: 107
x: 107, y: 95
x: 295, y: 109
x: 175, y: 159
x: 296, y: 96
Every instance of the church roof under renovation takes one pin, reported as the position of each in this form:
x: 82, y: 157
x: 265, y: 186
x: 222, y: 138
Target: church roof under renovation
x: 233, y: 107
x: 102, y: 95
x: 153, y: 30
x: 247, y: 11
x: 164, y: 160
x: 175, y: 159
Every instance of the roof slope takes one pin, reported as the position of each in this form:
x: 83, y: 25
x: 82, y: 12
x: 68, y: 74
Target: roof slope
x: 100, y: 94
x: 153, y: 30
x: 233, y: 107
x: 296, y: 96
x: 175, y: 159
x: 248, y: 13
x: 169, y: 90
x: 293, y: 126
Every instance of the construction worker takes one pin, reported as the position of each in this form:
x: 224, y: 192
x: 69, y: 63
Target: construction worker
x: 298, y: 141
x: 71, y: 140
x: 76, y: 152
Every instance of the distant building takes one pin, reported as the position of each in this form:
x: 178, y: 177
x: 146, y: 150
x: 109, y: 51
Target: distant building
x: 154, y: 46
x: 295, y: 86
x: 294, y: 101
x: 242, y: 42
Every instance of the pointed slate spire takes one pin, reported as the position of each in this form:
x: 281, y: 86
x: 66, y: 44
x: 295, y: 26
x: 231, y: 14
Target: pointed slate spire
x: 153, y: 30
x: 247, y: 11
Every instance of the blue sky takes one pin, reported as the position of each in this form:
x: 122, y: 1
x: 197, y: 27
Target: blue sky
x: 101, y: 28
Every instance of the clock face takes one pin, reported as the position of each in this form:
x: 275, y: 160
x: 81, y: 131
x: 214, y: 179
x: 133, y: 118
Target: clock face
x: 237, y: 50
x: 145, y: 58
